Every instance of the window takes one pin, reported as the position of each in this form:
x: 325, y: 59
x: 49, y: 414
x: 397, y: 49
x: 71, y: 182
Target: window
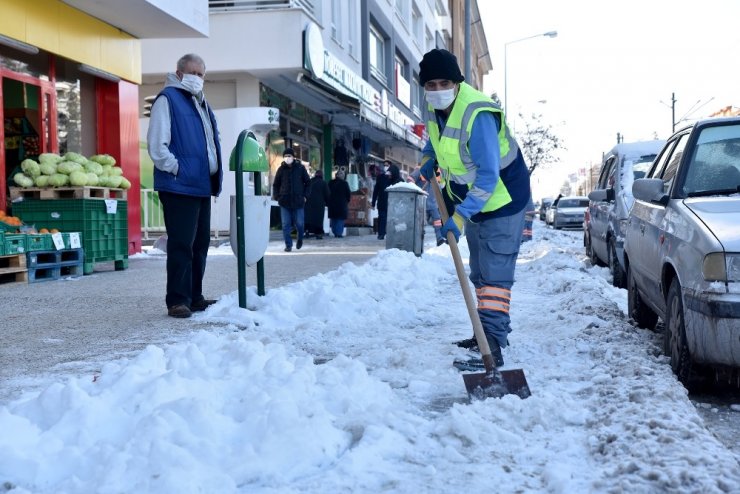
x: 336, y: 20
x: 402, y: 9
x: 377, y: 55
x: 416, y: 97
x: 417, y: 26
x: 669, y: 172
x: 428, y: 41
x: 607, y: 172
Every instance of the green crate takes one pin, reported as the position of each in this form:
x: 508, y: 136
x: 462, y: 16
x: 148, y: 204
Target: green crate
x: 68, y: 242
x: 15, y: 244
x: 104, y: 234
x: 2, y: 243
x: 39, y: 241
x: 4, y: 227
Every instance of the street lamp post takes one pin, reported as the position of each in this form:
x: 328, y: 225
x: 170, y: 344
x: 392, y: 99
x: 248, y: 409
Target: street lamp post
x: 549, y: 34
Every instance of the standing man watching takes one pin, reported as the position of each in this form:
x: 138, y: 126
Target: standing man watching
x: 290, y: 189
x: 183, y: 143
x: 486, y: 180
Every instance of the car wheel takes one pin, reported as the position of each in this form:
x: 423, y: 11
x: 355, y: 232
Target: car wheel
x: 674, y: 336
x: 618, y: 274
x: 643, y: 315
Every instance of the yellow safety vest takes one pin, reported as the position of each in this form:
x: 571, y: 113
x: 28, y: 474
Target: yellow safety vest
x: 451, y: 147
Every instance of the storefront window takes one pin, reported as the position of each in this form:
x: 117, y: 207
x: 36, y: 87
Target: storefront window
x: 34, y: 65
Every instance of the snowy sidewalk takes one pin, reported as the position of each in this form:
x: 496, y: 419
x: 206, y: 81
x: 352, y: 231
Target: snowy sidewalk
x: 343, y: 383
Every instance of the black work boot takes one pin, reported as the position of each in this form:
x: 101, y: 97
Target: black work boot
x: 498, y: 358
x: 469, y: 344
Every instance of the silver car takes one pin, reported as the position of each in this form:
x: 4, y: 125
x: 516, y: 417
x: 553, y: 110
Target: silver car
x: 567, y: 212
x: 682, y: 248
x: 610, y: 203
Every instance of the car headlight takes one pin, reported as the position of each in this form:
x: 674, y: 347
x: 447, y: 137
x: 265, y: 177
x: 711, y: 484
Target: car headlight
x: 719, y: 266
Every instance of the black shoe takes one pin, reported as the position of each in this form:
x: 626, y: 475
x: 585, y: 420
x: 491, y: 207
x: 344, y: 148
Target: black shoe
x: 288, y: 249
x: 440, y: 241
x: 495, y: 351
x: 201, y: 305
x: 469, y: 344
x: 181, y: 311
x: 381, y: 237
x: 299, y: 244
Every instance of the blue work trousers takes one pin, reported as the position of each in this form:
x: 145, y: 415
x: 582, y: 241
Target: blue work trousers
x: 494, y: 246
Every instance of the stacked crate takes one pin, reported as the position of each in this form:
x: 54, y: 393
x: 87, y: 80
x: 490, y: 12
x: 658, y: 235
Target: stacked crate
x: 102, y: 222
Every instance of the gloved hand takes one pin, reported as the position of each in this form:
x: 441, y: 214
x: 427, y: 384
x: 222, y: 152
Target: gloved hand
x: 453, y: 224
x: 429, y: 169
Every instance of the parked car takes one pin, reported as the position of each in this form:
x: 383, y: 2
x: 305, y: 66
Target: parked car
x: 544, y: 205
x: 682, y: 248
x: 610, y: 203
x: 567, y: 212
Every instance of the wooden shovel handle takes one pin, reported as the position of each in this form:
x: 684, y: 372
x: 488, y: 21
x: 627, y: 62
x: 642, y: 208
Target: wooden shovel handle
x: 480, y: 335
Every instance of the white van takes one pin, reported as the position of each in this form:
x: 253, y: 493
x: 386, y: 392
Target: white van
x: 610, y: 203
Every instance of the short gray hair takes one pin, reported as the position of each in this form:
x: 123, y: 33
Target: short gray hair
x: 190, y: 57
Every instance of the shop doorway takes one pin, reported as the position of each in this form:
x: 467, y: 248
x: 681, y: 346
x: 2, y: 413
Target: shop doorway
x: 29, y: 125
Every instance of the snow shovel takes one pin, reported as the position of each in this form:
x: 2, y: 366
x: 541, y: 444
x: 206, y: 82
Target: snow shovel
x: 492, y: 383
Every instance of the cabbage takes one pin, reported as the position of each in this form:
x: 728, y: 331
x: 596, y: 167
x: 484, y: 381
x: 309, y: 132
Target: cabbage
x: 92, y: 167
x: 116, y: 170
x: 77, y: 157
x: 106, y: 171
x: 31, y: 168
x: 52, y: 158
x: 92, y: 179
x: 23, y: 180
x: 78, y: 178
x: 67, y: 167
x: 48, y: 168
x: 104, y: 159
x: 125, y: 184
x: 59, y: 180
x: 41, y: 181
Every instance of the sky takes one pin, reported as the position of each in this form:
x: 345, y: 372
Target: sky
x: 612, y: 68
x: 343, y: 383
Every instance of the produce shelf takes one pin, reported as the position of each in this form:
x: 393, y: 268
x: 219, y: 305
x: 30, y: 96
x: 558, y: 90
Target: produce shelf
x: 82, y: 192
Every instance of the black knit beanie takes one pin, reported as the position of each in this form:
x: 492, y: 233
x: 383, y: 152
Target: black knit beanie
x: 439, y: 64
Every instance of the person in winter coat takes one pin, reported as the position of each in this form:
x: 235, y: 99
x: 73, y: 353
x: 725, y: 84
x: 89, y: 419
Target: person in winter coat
x: 318, y: 197
x: 339, y: 197
x: 487, y: 181
x: 183, y: 143
x: 390, y: 175
x: 289, y: 189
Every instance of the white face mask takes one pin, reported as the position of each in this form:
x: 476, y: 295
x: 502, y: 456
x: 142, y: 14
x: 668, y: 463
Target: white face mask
x: 289, y: 160
x: 192, y: 83
x: 440, y: 100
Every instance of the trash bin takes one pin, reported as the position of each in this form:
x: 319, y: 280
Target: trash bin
x: 405, y: 223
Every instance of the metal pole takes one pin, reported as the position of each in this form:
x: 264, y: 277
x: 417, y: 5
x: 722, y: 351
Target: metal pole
x: 673, y: 112
x: 261, y: 262
x: 467, y: 42
x: 240, y: 255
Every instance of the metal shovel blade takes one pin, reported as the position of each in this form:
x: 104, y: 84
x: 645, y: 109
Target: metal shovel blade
x: 496, y: 384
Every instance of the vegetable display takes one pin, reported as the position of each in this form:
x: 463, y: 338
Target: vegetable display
x: 53, y: 170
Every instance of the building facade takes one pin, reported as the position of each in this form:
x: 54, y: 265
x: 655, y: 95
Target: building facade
x: 341, y: 74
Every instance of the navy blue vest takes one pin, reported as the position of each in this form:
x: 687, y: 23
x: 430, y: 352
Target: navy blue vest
x: 188, y: 144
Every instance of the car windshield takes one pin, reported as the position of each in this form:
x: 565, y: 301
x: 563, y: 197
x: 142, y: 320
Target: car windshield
x: 714, y: 168
x: 641, y: 165
x: 573, y: 203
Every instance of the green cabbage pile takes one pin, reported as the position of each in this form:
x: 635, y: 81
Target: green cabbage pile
x: 72, y: 169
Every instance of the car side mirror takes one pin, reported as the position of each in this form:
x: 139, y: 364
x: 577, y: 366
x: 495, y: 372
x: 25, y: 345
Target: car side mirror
x: 597, y: 195
x: 649, y: 190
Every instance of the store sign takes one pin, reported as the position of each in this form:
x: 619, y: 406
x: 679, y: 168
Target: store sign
x: 325, y: 66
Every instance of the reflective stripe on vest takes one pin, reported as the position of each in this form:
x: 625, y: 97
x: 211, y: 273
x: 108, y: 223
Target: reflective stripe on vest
x: 451, y: 147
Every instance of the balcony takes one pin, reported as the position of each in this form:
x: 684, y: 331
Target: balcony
x: 312, y: 7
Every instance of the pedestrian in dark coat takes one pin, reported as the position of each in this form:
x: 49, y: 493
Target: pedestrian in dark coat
x: 339, y: 197
x: 318, y: 197
x: 289, y: 189
x: 390, y: 175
